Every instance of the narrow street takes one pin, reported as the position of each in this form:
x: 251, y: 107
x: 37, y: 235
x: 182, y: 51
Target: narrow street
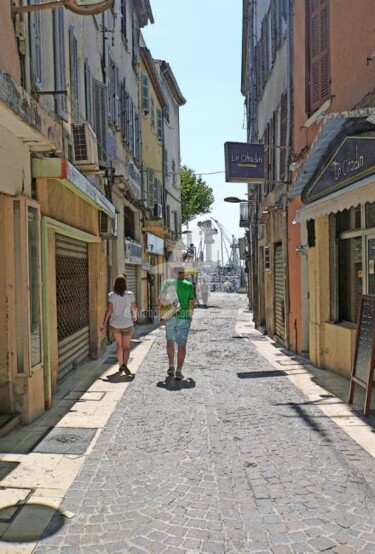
x: 233, y: 459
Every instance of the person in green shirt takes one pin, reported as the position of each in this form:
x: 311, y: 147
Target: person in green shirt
x: 177, y: 327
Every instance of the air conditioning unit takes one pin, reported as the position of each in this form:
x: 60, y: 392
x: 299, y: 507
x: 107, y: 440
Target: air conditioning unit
x: 158, y: 211
x: 107, y: 226
x: 85, y: 147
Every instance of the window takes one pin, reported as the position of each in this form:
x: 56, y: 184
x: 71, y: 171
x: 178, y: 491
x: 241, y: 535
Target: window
x: 113, y: 92
x: 74, y: 75
x: 129, y: 224
x: 318, y: 65
x: 36, y: 47
x: 267, y: 258
x: 123, y: 20
x: 152, y: 112
x: 353, y: 260
x: 28, y: 284
x: 59, y: 63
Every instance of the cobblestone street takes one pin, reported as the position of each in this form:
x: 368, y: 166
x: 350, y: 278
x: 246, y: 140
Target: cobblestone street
x: 233, y: 459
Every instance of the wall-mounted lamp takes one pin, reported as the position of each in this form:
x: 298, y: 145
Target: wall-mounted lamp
x: 301, y: 249
x: 294, y: 221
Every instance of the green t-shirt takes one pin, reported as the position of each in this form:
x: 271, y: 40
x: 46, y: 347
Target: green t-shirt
x: 185, y: 292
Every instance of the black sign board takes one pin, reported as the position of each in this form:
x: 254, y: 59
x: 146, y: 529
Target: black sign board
x: 244, y: 162
x: 364, y: 356
x: 352, y: 161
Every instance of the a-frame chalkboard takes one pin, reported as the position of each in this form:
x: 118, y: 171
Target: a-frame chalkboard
x: 364, y: 356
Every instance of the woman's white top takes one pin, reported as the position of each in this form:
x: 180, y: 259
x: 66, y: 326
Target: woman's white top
x: 121, y: 316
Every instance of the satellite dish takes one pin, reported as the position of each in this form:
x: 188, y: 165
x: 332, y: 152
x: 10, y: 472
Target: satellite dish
x: 80, y: 7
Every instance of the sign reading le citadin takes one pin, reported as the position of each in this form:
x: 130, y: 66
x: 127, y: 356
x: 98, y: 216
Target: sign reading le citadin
x: 244, y: 162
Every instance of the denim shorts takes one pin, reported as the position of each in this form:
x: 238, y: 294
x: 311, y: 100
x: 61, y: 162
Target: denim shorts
x: 177, y: 330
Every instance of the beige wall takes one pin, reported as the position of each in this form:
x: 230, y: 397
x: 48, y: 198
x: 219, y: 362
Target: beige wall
x: 9, y: 58
x: 15, y: 172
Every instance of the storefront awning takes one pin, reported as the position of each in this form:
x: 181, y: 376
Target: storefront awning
x: 71, y: 178
x: 330, y: 131
x: 343, y: 199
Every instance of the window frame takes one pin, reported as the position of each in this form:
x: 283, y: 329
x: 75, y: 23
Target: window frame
x: 23, y: 286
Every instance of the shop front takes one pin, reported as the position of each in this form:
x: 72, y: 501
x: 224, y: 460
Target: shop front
x: 338, y: 221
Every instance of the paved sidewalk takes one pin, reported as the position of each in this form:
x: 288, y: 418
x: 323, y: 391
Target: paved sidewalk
x: 234, y: 459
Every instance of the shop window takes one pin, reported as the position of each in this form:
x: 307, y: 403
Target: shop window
x: 348, y: 220
x: 28, y: 284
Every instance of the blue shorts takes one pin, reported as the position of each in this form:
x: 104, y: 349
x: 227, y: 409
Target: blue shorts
x: 177, y: 330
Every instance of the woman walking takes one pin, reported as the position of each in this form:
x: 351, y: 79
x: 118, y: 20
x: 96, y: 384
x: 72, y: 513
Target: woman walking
x: 122, y: 313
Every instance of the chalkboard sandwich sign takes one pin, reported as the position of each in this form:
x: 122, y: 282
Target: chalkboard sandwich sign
x: 364, y: 355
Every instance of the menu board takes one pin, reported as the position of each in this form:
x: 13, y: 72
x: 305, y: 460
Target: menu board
x: 364, y: 357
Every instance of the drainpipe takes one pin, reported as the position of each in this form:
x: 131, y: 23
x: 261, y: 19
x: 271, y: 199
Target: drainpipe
x: 289, y: 36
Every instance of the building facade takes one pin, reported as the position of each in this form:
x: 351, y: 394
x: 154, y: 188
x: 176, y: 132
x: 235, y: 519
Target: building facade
x: 313, y: 228
x: 71, y: 198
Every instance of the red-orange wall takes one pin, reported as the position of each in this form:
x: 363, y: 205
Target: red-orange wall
x: 9, y: 58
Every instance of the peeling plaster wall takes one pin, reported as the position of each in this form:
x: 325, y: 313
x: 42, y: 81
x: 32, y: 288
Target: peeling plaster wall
x: 15, y: 171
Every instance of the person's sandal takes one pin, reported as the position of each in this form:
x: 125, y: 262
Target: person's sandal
x: 127, y: 371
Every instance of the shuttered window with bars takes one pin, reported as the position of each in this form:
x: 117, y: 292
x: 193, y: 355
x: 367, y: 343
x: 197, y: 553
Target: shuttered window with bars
x: 88, y: 94
x: 318, y: 63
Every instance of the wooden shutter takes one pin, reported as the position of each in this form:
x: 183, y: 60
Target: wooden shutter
x: 59, y: 63
x: 88, y: 94
x: 283, y: 135
x: 101, y: 119
x: 145, y: 96
x: 74, y: 75
x: 36, y: 47
x: 160, y: 123
x: 150, y: 188
x: 318, y: 53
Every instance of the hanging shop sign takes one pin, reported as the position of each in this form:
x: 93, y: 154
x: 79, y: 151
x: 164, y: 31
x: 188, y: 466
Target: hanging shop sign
x: 244, y: 162
x: 352, y: 161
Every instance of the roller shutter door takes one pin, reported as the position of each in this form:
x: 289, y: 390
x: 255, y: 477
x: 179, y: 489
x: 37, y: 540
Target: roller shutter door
x: 131, y: 275
x: 72, y: 299
x: 279, y: 287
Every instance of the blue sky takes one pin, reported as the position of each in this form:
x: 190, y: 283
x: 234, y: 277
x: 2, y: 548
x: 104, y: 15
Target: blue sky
x: 201, y: 40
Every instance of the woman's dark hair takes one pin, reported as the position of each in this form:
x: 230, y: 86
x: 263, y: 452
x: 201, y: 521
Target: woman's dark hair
x: 120, y: 285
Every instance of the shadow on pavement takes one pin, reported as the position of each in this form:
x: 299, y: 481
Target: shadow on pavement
x: 118, y: 377
x: 23, y: 523
x: 260, y: 374
x: 173, y: 384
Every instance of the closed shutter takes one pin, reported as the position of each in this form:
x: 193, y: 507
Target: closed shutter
x: 283, y: 136
x: 318, y: 52
x: 74, y: 75
x: 145, y: 95
x: 101, y: 119
x: 279, y: 288
x: 131, y: 277
x: 72, y: 301
x: 88, y: 94
x: 59, y: 59
x: 36, y: 46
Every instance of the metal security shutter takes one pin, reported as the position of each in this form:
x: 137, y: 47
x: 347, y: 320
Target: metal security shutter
x: 72, y: 299
x: 131, y: 275
x: 279, y: 284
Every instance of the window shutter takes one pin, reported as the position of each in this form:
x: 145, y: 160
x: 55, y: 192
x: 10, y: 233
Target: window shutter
x: 123, y: 19
x: 36, y: 47
x: 59, y: 62
x: 127, y: 118
x: 123, y: 110
x: 160, y: 124
x: 145, y: 98
x: 166, y: 170
x: 136, y: 136
x: 116, y: 107
x: 318, y: 52
x: 152, y: 110
x: 283, y: 136
x: 74, y: 75
x: 150, y: 188
x: 101, y: 119
x: 88, y: 94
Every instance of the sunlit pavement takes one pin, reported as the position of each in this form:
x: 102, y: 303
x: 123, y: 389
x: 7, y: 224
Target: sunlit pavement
x: 246, y: 454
